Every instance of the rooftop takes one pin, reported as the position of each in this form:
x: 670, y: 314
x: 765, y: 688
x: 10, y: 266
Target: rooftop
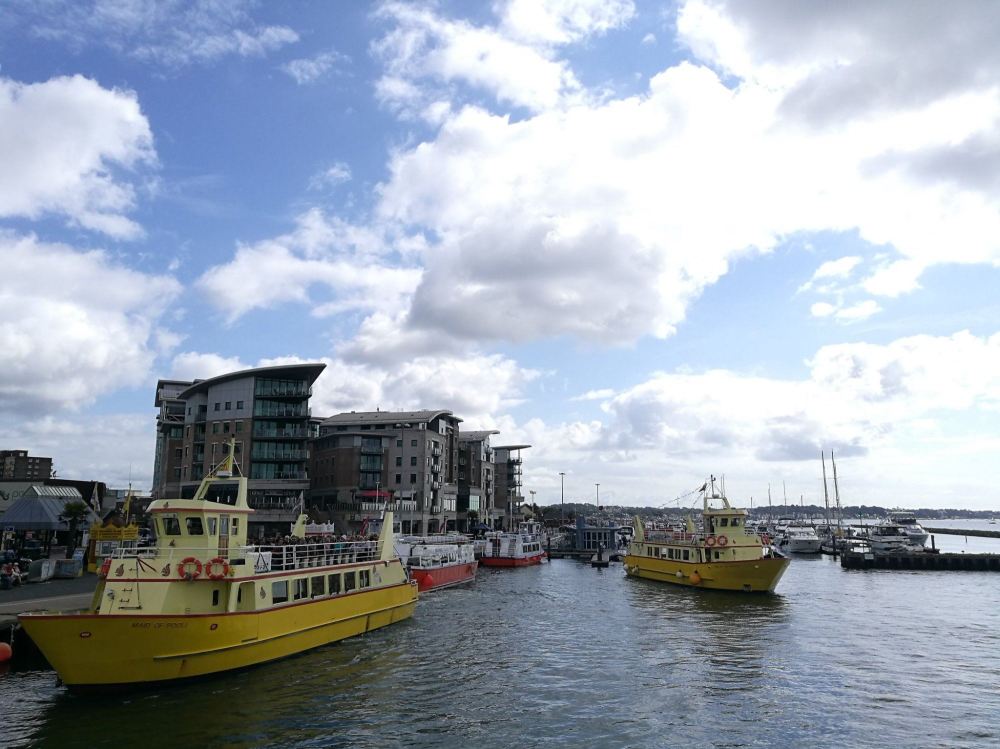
x: 386, y: 417
x: 308, y: 371
x: 476, y: 436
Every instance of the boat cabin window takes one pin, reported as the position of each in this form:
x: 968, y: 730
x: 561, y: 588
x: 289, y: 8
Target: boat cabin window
x: 301, y: 588
x: 334, y: 584
x: 236, y: 527
x: 194, y: 527
x: 686, y: 553
x: 212, y: 526
x: 349, y: 583
x: 279, y: 591
x: 736, y: 522
x: 215, y: 598
x: 364, y: 579
x: 723, y: 522
x: 171, y: 525
x: 318, y: 586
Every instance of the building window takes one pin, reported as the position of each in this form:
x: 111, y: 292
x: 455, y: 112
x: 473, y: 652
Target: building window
x: 178, y: 453
x: 413, y: 478
x: 399, y: 460
x: 229, y: 405
x: 215, y: 427
x: 225, y: 428
x: 217, y: 406
x: 399, y: 443
x: 239, y: 426
x: 399, y: 478
x: 413, y: 443
x: 239, y: 404
x: 413, y: 460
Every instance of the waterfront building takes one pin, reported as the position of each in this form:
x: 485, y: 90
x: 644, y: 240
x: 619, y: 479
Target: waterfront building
x: 266, y: 411
x: 362, y: 458
x: 507, y: 492
x: 475, y: 481
x: 17, y: 465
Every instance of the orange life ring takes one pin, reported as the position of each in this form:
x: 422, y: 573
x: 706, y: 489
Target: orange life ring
x: 211, y: 564
x: 183, y: 572
x: 709, y: 540
x: 105, y: 567
x: 721, y: 540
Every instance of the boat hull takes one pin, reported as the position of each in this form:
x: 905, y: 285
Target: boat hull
x: 443, y: 577
x: 752, y: 576
x: 512, y: 561
x: 100, y: 650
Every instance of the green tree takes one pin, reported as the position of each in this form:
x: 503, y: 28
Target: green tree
x: 73, y: 512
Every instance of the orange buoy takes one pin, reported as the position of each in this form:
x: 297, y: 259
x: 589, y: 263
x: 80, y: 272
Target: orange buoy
x: 6, y: 652
x: 695, y: 578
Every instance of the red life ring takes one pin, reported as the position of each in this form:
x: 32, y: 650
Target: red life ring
x: 721, y: 540
x: 709, y: 540
x: 211, y: 564
x: 105, y: 567
x: 182, y: 571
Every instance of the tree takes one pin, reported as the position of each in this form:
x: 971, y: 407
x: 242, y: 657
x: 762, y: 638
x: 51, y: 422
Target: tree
x: 73, y: 512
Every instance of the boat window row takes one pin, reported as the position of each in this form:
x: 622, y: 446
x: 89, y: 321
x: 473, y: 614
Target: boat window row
x: 320, y: 585
x: 670, y: 553
x: 170, y: 525
x: 728, y: 522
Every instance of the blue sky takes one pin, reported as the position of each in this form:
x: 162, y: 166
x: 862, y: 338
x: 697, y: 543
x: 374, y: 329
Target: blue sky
x: 654, y: 240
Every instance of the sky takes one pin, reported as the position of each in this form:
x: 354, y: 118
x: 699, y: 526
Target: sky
x: 656, y: 241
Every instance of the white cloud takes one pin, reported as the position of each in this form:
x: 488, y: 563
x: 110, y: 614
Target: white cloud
x: 598, y: 218
x: 116, y: 448
x: 320, y: 252
x: 860, y: 311
x: 192, y: 365
x: 172, y: 33
x: 595, y: 395
x: 424, y: 50
x: 74, y: 325
x: 649, y: 40
x: 64, y: 144
x: 311, y: 69
x: 822, y: 309
x: 559, y: 22
x: 332, y: 176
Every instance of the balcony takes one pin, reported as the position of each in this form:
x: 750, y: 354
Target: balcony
x: 273, y: 409
x: 436, y: 452
x: 291, y: 433
x: 282, y: 390
x: 278, y: 456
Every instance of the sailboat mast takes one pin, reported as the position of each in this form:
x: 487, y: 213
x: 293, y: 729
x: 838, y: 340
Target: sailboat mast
x: 826, y: 492
x: 836, y: 492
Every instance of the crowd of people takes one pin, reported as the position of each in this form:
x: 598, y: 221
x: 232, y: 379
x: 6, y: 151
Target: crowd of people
x: 292, y: 552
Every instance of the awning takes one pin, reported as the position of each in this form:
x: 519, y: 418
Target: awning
x: 41, y: 514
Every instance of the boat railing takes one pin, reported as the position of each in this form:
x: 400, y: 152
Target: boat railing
x: 282, y: 558
x: 691, y: 539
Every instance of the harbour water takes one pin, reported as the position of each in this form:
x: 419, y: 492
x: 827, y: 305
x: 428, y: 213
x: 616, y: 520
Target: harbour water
x: 563, y: 654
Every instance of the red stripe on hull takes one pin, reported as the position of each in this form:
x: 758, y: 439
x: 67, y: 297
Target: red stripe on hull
x: 512, y: 561
x: 442, y: 577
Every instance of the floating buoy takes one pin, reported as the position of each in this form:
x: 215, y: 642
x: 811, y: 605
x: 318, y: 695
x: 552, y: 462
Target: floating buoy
x: 695, y: 578
x: 428, y: 581
x: 5, y: 652
x: 679, y: 573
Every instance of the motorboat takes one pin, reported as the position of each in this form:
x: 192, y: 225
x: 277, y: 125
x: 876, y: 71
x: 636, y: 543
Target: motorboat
x: 437, y: 561
x: 799, y: 538
x: 908, y: 521
x: 520, y: 548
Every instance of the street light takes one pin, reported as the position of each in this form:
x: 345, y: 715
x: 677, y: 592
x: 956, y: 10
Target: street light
x: 562, y: 496
x: 598, y: 498
x: 532, y: 493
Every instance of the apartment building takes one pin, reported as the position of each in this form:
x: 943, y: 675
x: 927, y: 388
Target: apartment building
x: 363, y: 458
x: 17, y: 465
x: 475, y: 481
x: 266, y: 411
x: 507, y: 492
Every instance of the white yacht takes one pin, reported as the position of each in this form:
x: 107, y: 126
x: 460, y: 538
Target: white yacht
x: 889, y: 537
x: 907, y: 520
x: 799, y: 538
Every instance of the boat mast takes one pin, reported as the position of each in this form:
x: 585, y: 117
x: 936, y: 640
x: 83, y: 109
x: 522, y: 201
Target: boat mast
x: 836, y: 494
x: 826, y: 492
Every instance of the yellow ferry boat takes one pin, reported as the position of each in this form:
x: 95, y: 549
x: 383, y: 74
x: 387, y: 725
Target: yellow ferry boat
x: 202, y: 601
x: 724, y: 556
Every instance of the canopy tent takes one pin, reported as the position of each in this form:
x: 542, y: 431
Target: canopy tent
x: 41, y: 513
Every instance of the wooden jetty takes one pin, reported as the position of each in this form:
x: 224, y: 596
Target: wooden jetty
x: 855, y: 560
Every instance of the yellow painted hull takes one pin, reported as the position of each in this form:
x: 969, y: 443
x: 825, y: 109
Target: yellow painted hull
x: 755, y: 575
x: 106, y: 650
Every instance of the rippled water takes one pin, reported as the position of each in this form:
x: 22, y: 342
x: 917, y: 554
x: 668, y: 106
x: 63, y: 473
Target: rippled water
x: 564, y: 654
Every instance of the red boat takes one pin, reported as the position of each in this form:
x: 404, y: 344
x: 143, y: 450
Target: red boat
x: 437, y: 561
x: 520, y: 549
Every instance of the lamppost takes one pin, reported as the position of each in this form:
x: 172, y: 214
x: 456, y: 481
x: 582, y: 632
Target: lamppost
x: 510, y: 511
x: 532, y: 493
x: 598, y: 498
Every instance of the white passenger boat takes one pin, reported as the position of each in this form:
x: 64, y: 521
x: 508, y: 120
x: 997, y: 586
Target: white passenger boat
x: 520, y: 549
x: 907, y: 520
x: 799, y: 538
